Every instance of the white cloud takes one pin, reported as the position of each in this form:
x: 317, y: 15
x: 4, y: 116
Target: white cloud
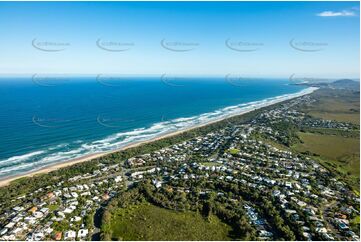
x: 343, y: 13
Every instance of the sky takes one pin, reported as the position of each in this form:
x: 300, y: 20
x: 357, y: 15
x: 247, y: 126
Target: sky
x: 258, y: 39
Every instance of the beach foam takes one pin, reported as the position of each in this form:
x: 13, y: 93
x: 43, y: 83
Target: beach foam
x: 42, y: 158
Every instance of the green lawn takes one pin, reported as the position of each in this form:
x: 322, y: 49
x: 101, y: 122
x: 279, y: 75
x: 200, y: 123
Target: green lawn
x: 355, y: 223
x: 149, y: 222
x: 233, y: 151
x: 210, y: 164
x: 341, y: 153
x: 53, y: 207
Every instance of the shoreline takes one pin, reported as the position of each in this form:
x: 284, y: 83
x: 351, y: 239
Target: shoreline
x: 7, y: 180
x: 52, y: 167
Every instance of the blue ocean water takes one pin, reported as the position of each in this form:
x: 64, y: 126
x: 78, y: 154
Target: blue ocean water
x: 49, y: 120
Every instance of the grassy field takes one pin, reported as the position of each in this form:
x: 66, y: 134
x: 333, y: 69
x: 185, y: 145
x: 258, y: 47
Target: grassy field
x: 336, y: 149
x: 148, y: 222
x: 339, y: 116
x: 210, y: 164
x: 339, y: 152
x: 233, y: 151
x: 355, y: 223
x: 338, y: 105
x: 337, y: 132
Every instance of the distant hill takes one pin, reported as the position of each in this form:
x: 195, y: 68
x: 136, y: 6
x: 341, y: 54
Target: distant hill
x: 338, y: 84
x: 345, y: 84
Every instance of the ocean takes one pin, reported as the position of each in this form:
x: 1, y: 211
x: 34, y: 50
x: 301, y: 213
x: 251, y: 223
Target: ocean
x: 45, y: 120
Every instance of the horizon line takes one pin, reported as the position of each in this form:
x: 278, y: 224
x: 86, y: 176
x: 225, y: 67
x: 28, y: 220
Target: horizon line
x: 170, y: 75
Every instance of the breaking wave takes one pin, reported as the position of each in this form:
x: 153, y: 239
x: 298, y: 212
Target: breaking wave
x: 42, y: 158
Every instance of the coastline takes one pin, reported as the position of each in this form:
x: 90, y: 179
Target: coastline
x: 52, y: 167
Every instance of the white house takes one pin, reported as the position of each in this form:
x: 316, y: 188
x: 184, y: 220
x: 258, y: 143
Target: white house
x: 82, y: 233
x: 69, y: 235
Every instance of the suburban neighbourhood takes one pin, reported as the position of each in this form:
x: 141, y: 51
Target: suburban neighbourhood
x: 313, y: 203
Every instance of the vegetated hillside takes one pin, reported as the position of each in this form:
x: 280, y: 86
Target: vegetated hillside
x: 346, y: 84
x: 149, y: 222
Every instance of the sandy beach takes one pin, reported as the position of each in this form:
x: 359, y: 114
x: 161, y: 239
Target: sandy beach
x: 6, y: 181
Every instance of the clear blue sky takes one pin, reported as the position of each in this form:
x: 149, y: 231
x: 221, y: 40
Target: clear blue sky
x: 268, y: 27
